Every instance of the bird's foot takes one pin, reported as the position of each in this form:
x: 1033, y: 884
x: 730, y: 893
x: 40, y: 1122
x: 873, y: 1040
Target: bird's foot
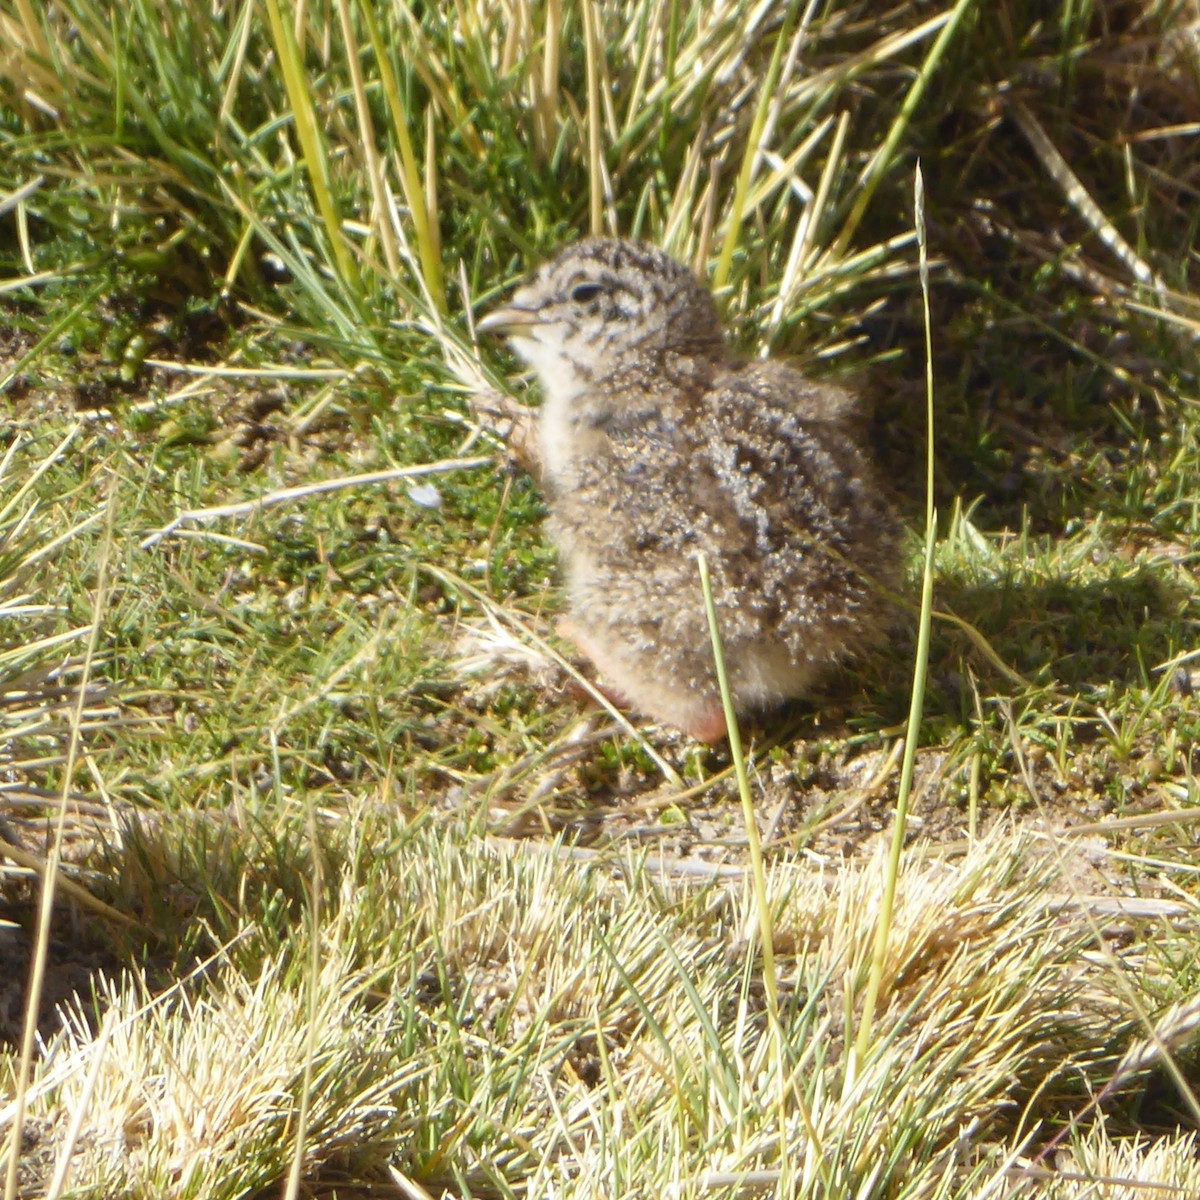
x: 516, y: 426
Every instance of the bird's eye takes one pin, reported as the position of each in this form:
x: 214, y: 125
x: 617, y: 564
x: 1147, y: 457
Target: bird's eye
x: 583, y: 293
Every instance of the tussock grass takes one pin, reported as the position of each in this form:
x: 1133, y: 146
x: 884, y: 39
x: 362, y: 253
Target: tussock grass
x: 181, y: 1095
x: 383, y: 902
x: 469, y: 1022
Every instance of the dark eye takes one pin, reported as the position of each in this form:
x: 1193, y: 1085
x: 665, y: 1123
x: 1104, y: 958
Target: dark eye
x: 584, y: 293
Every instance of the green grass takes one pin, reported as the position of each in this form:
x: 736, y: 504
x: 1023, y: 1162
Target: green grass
x: 340, y: 837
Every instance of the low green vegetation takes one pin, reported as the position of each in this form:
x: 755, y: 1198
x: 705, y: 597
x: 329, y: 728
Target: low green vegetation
x: 334, y: 880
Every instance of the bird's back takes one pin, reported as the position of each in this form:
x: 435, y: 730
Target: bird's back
x: 760, y: 470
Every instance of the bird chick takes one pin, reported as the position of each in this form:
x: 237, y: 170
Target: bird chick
x: 657, y: 445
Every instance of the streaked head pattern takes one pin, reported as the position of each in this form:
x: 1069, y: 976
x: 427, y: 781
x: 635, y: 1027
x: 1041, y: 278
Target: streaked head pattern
x: 604, y: 306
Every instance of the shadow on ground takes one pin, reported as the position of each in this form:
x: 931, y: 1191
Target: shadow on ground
x: 1080, y: 638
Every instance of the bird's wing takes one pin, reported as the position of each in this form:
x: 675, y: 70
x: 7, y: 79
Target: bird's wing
x: 784, y: 454
x: 807, y: 524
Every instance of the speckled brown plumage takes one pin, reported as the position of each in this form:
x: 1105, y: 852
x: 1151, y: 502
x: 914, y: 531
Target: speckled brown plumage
x: 657, y: 444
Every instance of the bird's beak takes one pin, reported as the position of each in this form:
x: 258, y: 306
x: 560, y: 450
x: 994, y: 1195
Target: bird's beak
x: 510, y: 320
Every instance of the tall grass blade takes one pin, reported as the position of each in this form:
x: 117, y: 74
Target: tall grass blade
x: 920, y: 668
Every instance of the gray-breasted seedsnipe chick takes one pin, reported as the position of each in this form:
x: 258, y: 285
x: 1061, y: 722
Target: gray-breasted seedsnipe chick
x: 657, y: 444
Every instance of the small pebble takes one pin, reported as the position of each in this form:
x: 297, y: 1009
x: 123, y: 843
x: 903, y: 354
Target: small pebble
x: 425, y: 494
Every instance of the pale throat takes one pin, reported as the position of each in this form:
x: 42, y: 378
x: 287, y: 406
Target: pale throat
x: 562, y: 384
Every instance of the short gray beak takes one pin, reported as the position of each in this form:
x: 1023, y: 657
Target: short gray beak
x: 511, y: 320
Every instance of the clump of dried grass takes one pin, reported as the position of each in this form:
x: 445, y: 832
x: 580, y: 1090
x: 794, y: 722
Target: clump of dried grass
x: 184, y: 1094
x: 608, y: 1011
